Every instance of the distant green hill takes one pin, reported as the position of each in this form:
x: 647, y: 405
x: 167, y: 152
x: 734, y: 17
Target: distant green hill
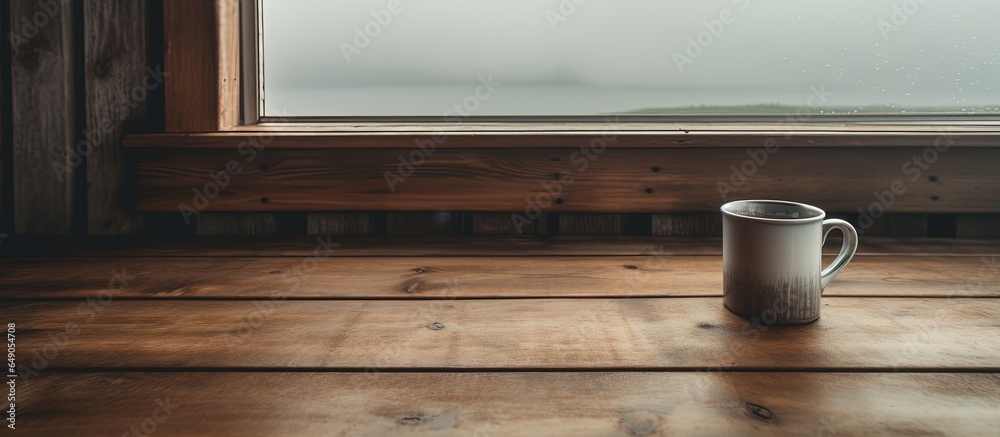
x: 777, y: 109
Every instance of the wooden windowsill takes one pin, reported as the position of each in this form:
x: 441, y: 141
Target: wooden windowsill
x: 625, y: 135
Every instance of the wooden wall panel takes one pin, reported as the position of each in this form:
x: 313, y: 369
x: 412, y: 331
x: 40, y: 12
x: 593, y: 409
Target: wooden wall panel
x: 894, y: 225
x: 42, y: 102
x: 590, y: 224
x: 619, y: 180
x: 499, y: 223
x: 504, y: 223
x: 339, y: 224
x: 978, y: 226
x: 237, y: 224
x: 117, y: 84
x: 688, y: 224
x: 419, y: 223
x: 201, y: 55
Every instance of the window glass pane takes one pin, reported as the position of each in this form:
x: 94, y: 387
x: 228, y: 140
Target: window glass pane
x: 591, y: 57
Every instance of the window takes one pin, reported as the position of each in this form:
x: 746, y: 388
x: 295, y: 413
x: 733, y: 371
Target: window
x: 556, y: 58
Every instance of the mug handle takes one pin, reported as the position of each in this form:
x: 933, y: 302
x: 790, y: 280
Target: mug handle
x: 846, y: 251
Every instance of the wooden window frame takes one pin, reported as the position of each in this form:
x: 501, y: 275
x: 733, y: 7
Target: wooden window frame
x: 211, y: 89
x: 203, y: 116
x: 202, y: 59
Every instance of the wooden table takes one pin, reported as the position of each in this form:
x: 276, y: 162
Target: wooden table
x: 501, y: 336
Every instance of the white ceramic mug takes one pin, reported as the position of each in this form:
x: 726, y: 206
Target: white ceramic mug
x: 772, y: 257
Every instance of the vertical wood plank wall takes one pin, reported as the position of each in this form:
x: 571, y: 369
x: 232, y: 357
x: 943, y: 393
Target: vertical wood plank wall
x: 6, y: 224
x: 119, y: 59
x: 117, y: 89
x: 42, y: 105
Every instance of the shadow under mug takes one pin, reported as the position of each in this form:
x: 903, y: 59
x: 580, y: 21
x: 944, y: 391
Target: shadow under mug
x: 772, y: 253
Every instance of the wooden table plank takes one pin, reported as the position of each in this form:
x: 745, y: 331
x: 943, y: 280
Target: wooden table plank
x: 663, y: 334
x: 464, y: 277
x: 19, y: 246
x: 515, y: 404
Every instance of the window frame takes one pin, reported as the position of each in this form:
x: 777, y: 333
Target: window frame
x: 202, y: 63
x: 253, y: 111
x: 252, y: 62
x: 204, y: 133
x: 211, y: 49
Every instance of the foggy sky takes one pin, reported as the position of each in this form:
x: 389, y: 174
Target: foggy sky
x: 947, y: 52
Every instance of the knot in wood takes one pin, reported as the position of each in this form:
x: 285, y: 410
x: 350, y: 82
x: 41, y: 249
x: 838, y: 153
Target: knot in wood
x: 411, y: 420
x: 29, y: 57
x: 760, y: 412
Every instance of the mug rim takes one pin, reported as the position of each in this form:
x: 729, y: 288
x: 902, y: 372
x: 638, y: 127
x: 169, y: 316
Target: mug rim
x: 788, y: 221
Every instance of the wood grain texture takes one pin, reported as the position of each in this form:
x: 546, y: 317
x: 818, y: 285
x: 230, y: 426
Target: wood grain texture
x: 237, y: 224
x: 663, y: 334
x: 117, y: 85
x: 466, y: 277
x: 657, y: 135
x: 44, y: 131
x: 338, y: 224
x: 516, y: 404
x: 617, y: 180
x: 201, y: 55
x: 688, y: 224
x: 511, y: 246
x: 978, y: 225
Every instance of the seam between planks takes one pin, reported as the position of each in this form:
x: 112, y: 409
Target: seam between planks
x: 723, y: 369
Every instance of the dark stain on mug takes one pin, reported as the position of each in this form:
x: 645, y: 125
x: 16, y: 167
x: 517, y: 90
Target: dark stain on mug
x: 783, y: 301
